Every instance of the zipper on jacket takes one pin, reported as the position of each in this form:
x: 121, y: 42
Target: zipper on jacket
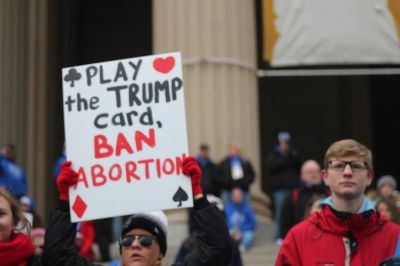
x: 346, y: 243
x: 350, y: 244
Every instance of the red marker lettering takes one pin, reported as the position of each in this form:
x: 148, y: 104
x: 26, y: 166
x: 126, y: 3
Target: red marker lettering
x: 118, y: 171
x: 122, y: 144
x: 178, y: 161
x: 101, y: 147
x: 146, y: 166
x: 81, y: 178
x: 140, y: 138
x: 98, y: 178
x: 168, y: 163
x: 130, y: 168
x: 158, y: 168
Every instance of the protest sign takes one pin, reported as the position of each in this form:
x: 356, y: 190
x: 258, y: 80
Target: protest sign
x: 125, y: 131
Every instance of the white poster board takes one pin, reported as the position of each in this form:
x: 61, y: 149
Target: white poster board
x: 125, y: 131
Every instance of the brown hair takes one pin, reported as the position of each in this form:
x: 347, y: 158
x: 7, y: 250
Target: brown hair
x: 17, y: 214
x: 392, y: 208
x: 348, y: 147
x: 310, y: 203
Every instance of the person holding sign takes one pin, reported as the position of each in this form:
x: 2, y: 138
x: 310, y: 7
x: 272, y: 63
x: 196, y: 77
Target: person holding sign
x: 347, y: 230
x: 143, y: 238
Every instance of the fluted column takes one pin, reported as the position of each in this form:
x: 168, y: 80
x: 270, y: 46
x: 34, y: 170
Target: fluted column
x: 217, y: 40
x: 23, y: 86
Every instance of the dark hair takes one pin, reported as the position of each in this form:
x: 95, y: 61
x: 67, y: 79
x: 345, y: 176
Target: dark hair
x: 9, y: 151
x: 310, y: 203
x: 204, y: 147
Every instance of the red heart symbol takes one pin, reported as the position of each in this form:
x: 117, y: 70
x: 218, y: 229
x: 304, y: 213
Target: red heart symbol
x: 164, y: 65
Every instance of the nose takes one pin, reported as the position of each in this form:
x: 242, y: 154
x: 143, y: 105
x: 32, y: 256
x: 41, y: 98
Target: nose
x: 136, y: 242
x: 347, y: 170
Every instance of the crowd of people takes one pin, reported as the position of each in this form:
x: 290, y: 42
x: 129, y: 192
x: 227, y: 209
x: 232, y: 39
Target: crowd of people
x: 315, y: 211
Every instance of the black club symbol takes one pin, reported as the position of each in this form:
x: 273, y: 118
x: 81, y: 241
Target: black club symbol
x: 72, y: 76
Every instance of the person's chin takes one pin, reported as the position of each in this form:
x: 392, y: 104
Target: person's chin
x: 136, y: 260
x: 349, y: 194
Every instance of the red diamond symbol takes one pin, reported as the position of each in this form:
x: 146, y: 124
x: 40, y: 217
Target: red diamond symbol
x: 79, y: 207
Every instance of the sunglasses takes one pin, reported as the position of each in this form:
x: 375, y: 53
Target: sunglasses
x: 144, y: 240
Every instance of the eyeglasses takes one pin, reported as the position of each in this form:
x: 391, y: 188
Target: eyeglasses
x: 356, y: 166
x: 144, y: 240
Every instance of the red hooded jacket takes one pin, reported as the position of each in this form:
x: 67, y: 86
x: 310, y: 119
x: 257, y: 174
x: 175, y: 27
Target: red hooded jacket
x: 363, y: 239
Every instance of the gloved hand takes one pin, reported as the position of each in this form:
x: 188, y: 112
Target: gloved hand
x: 66, y: 178
x: 191, y: 168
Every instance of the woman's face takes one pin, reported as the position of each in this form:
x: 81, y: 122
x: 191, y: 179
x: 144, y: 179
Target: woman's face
x: 383, y: 209
x: 138, y: 255
x: 6, y: 220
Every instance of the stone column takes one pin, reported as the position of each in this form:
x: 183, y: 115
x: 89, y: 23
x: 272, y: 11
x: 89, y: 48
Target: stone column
x: 23, y: 88
x: 217, y: 40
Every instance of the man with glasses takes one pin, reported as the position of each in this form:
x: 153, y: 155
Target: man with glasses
x: 143, y: 240
x: 347, y: 230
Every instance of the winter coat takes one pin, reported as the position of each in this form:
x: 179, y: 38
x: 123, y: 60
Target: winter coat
x: 214, y: 246
x: 295, y: 205
x: 283, y: 169
x: 12, y: 177
x: 209, y: 181
x: 225, y: 175
x: 329, y: 237
x: 240, y: 216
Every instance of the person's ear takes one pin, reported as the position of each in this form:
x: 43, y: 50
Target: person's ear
x: 159, y: 259
x: 370, y: 177
x: 324, y: 176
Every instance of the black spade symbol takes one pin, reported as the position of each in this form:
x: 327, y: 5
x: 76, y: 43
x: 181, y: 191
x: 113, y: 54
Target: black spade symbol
x: 72, y: 76
x: 180, y: 195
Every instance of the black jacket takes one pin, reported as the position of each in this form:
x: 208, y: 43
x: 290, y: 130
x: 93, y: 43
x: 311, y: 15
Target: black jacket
x: 35, y: 261
x: 225, y: 175
x: 283, y: 169
x: 295, y: 204
x: 214, y: 242
x: 209, y: 181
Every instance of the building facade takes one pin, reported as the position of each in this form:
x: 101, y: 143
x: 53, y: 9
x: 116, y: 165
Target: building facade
x: 226, y: 101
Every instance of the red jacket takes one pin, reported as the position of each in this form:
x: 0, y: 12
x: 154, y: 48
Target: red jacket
x: 323, y: 239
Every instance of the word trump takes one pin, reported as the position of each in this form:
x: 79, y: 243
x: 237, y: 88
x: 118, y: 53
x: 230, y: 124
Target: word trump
x: 130, y: 172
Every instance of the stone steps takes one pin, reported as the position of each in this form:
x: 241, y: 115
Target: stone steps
x: 263, y: 253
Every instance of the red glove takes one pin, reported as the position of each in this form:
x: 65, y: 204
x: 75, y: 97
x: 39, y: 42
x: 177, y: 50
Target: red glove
x: 66, y: 178
x: 191, y: 168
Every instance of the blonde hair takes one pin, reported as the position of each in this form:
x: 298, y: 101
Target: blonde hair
x: 348, y: 147
x: 18, y: 216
